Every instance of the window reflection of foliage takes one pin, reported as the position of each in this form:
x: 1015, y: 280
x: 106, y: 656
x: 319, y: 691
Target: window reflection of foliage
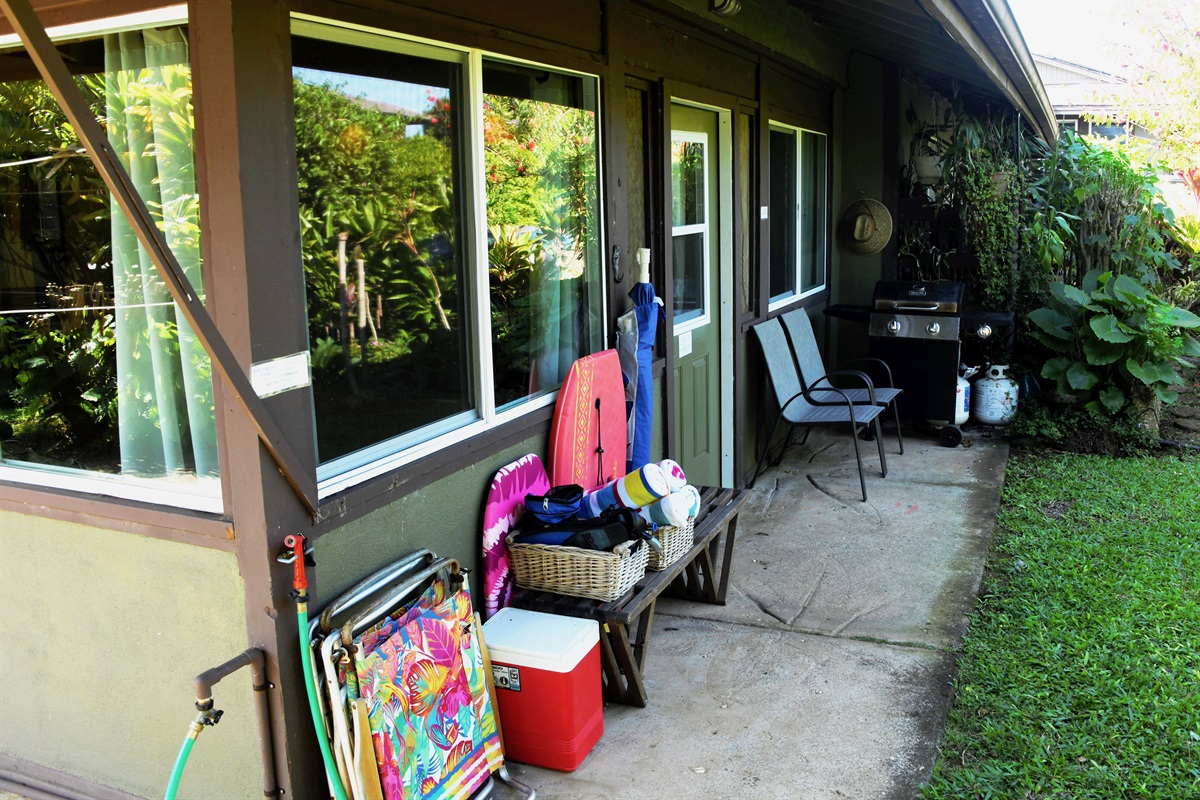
x: 57, y: 369
x: 687, y: 171
x: 360, y: 174
x: 541, y: 183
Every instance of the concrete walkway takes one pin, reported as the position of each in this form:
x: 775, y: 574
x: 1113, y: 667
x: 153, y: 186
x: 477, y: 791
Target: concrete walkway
x: 827, y: 674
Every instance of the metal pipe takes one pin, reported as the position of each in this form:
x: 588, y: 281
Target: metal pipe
x: 254, y: 658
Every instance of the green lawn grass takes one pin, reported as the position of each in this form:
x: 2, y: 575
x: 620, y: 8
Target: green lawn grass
x: 1080, y: 673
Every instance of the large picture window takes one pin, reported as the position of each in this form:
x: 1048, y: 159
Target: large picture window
x: 798, y: 246
x: 449, y: 209
x: 103, y: 385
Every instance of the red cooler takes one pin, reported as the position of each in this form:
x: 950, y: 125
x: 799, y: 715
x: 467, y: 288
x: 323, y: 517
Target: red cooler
x: 548, y: 691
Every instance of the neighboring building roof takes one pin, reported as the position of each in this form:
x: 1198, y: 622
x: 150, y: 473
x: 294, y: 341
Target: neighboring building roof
x: 1074, y: 89
x: 975, y: 42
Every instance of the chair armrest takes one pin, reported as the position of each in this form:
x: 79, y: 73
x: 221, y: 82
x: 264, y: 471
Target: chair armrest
x: 862, y: 376
x: 890, y: 383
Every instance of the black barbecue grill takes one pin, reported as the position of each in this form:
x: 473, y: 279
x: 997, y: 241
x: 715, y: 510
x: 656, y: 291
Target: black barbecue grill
x: 915, y: 328
x: 922, y: 330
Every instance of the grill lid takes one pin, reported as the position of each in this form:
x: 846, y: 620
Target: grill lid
x: 939, y: 297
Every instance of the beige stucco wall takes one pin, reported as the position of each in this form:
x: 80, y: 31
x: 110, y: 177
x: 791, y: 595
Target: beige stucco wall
x: 101, y: 634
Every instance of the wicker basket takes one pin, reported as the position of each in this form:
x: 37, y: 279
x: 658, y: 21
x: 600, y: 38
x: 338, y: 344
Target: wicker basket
x: 575, y: 571
x: 676, y: 540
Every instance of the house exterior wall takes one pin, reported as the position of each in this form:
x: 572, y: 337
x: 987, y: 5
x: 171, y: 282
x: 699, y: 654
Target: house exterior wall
x: 103, y: 634
x: 863, y: 174
x: 445, y: 517
x: 197, y: 606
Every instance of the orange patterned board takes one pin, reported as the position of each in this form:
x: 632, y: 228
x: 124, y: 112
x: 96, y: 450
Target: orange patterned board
x: 579, y: 430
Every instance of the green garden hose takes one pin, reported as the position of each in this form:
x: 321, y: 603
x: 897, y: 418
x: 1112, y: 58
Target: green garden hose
x: 189, y: 742
x: 300, y: 584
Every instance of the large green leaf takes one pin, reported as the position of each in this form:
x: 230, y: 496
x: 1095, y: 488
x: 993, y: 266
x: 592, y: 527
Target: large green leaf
x: 1109, y: 329
x: 1066, y: 345
x: 1127, y: 288
x: 1191, y: 345
x: 1168, y: 396
x: 1052, y: 322
x: 1113, y: 398
x: 1080, y: 377
x: 1151, y: 372
x: 1180, y: 317
x: 1100, y: 353
x: 1056, y: 368
x: 1091, y: 281
x: 1068, y: 295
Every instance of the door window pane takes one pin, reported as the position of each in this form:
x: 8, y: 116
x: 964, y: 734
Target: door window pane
x: 688, y: 257
x: 540, y: 157
x: 687, y: 183
x: 689, y: 219
x: 99, y: 372
x: 379, y: 139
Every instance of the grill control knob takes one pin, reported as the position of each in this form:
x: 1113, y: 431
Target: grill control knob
x: 893, y: 326
x: 984, y: 331
x: 933, y: 329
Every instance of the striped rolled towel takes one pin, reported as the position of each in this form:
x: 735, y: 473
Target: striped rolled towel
x: 637, y: 489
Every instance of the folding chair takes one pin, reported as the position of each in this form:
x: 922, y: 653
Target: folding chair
x: 813, y: 372
x: 798, y: 409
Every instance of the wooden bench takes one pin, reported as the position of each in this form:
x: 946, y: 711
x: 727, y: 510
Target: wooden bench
x: 701, y: 574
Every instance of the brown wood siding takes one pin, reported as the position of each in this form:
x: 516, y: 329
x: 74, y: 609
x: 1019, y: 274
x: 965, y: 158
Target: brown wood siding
x: 656, y: 48
x: 791, y: 99
x: 65, y: 12
x: 545, y: 32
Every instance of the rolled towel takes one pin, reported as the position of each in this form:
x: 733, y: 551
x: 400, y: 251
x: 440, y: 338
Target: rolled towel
x: 675, y: 477
x: 637, y: 489
x: 674, y: 509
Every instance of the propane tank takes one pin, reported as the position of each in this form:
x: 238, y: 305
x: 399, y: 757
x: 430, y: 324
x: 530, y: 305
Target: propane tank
x: 995, y: 397
x: 962, y: 398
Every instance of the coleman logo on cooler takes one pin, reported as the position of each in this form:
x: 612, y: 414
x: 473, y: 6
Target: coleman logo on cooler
x: 506, y: 677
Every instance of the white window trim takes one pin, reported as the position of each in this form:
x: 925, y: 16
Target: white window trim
x: 168, y: 15
x: 190, y: 494
x: 378, y: 459
x: 799, y: 293
x: 705, y: 228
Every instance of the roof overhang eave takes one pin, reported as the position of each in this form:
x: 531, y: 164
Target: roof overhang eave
x: 988, y: 33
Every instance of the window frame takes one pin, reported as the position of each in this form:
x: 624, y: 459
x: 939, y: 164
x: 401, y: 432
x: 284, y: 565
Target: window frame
x: 387, y: 456
x: 200, y: 494
x: 797, y: 268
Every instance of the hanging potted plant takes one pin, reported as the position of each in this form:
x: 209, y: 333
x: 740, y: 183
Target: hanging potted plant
x: 929, y: 144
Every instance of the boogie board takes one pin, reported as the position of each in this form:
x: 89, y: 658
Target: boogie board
x: 503, y: 509
x: 587, y: 432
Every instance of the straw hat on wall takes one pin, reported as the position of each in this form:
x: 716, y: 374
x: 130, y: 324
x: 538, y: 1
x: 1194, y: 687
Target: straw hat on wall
x: 866, y: 227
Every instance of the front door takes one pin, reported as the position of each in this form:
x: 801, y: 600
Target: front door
x: 699, y: 243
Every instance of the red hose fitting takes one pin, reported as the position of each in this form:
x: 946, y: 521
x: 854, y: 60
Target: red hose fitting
x: 299, y: 579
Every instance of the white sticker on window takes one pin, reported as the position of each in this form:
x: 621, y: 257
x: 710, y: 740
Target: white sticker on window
x: 764, y: 212
x: 685, y: 344
x: 280, y: 374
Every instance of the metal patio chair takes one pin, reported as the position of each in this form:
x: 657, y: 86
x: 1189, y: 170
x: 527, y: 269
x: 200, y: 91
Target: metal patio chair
x: 813, y: 372
x: 796, y: 407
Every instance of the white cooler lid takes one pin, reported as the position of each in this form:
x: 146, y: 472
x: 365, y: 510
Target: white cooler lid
x: 544, y: 641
